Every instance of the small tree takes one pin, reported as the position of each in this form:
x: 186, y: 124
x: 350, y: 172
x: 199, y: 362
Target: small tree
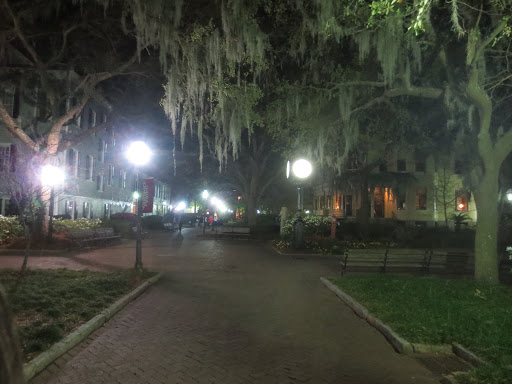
x: 445, y: 183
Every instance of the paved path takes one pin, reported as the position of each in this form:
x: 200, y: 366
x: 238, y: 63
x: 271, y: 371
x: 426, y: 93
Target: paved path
x: 231, y: 312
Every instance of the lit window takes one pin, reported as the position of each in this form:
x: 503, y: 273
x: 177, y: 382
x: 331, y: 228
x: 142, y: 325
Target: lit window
x: 421, y: 199
x: 461, y: 200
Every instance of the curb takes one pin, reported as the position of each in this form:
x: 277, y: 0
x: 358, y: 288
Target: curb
x: 400, y: 344
x: 319, y: 256
x: 34, y: 366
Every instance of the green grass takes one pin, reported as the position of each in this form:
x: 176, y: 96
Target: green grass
x: 431, y: 310
x: 48, y: 304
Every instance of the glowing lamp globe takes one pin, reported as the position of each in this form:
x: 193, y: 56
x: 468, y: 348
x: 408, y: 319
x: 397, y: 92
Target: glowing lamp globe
x: 136, y: 195
x: 51, y: 175
x: 461, y: 206
x: 302, y: 168
x: 205, y: 194
x: 138, y: 153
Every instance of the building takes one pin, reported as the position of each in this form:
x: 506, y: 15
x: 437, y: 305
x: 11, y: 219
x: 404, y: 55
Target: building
x: 406, y: 187
x: 99, y: 179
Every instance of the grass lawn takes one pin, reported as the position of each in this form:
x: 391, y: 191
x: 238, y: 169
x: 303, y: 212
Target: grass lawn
x: 48, y: 304
x: 432, y: 310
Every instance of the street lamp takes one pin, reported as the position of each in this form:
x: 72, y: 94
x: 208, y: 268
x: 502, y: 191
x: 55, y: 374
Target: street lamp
x: 50, y: 177
x: 139, y: 154
x: 301, y: 169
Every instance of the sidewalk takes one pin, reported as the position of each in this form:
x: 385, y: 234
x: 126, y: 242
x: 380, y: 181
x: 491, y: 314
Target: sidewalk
x: 227, y: 312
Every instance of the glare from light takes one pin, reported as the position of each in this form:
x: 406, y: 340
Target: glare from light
x: 205, y: 194
x: 307, y: 212
x: 136, y: 195
x: 287, y: 169
x: 219, y: 204
x: 138, y: 153
x: 302, y: 168
x: 164, y: 203
x: 52, y: 176
x: 509, y: 195
x: 181, y: 206
x: 461, y: 206
x: 258, y: 211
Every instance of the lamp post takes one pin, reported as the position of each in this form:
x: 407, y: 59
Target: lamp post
x: 138, y: 154
x: 301, y: 170
x: 50, y: 177
x: 205, y: 195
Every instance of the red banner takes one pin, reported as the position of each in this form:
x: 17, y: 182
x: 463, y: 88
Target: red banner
x: 148, y: 192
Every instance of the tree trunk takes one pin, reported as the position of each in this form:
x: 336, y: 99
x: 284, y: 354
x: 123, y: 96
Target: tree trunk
x: 11, y: 363
x: 486, y: 238
x: 364, y: 210
x: 251, y: 210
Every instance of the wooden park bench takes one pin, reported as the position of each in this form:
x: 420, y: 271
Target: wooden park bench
x: 232, y: 232
x: 407, y: 260
x: 89, y: 236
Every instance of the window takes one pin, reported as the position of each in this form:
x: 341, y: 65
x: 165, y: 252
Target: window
x: 11, y: 101
x: 461, y: 200
x: 400, y: 199
x: 92, y: 118
x: 85, y: 211
x: 72, y: 161
x: 459, y: 167
x: 420, y: 166
x: 70, y: 209
x: 124, y: 179
x: 99, y: 183
x: 383, y: 167
x: 111, y: 175
x: 78, y: 164
x: 90, y: 167
x: 106, y: 211
x: 5, y: 158
x: 102, y: 146
x: 421, y: 199
x: 401, y: 165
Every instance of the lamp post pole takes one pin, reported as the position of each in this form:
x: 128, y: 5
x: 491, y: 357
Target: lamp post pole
x: 138, y: 245
x: 138, y: 154
x: 301, y: 169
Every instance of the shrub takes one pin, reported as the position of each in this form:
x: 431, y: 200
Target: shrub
x: 125, y: 216
x: 121, y: 227
x: 10, y: 228
x: 153, y: 222
x: 313, y: 225
x: 63, y: 225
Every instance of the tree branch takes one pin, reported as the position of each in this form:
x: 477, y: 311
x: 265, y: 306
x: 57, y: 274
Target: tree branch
x: 15, y: 130
x: 21, y: 36
x: 84, y: 135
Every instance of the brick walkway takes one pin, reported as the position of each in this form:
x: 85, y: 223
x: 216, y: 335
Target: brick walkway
x: 230, y: 312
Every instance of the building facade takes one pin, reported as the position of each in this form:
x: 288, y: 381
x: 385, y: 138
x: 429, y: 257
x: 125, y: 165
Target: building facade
x: 99, y: 178
x: 405, y: 187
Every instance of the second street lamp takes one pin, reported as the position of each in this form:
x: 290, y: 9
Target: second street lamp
x: 138, y: 154
x: 301, y: 169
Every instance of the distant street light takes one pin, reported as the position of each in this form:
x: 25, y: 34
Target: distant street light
x: 139, y: 154
x: 205, y: 194
x: 509, y: 195
x: 301, y: 169
x: 51, y: 176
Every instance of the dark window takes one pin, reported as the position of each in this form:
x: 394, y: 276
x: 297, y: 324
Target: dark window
x: 421, y: 199
x: 461, y: 200
x: 92, y: 118
x: 85, y: 211
x: 348, y: 205
x: 400, y: 199
x: 383, y: 167
x: 401, y: 165
x: 459, y: 167
x: 99, y: 183
x: 71, y: 158
x: 420, y: 166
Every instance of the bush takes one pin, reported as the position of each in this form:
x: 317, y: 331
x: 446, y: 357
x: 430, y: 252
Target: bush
x: 10, y: 228
x: 153, y: 222
x: 125, y: 216
x: 63, y: 225
x: 313, y: 226
x: 121, y: 227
